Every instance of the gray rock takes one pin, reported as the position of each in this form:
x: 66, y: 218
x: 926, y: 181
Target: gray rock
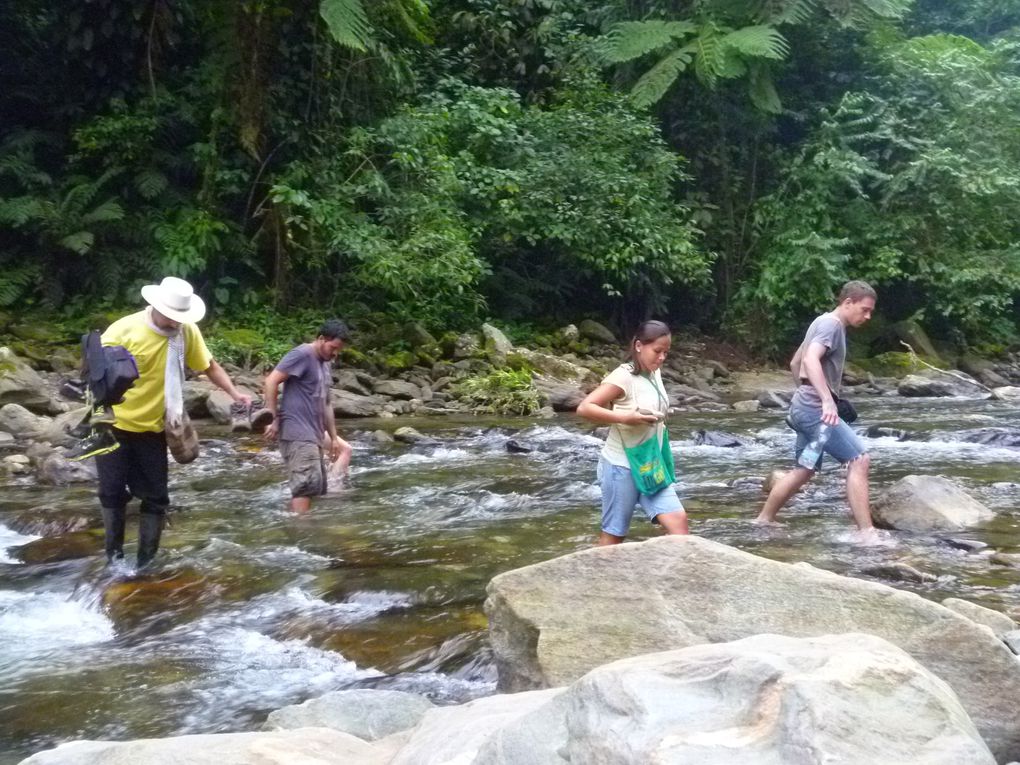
x: 218, y: 403
x: 1012, y: 641
x: 720, y: 369
x: 767, y: 700
x: 996, y: 621
x: 717, y: 438
x: 409, y: 435
x: 552, y: 622
x: 22, y: 424
x: 6, y: 438
x: 940, y: 386
x: 775, y: 399
x: 466, y: 346
x: 1006, y: 393
x: 569, y: 333
x: 347, y: 404
x: 308, y: 746
x: 687, y: 394
x: 347, y: 380
x: 367, y: 714
x: 20, y: 384
x: 496, y: 343
x: 196, y: 397
x: 927, y: 503
x: 382, y: 437
x: 1008, y: 437
x: 57, y: 470
x: 559, y: 368
x: 397, y: 389
x: 599, y: 333
x: 747, y: 406
x: 898, y: 571
x: 562, y: 398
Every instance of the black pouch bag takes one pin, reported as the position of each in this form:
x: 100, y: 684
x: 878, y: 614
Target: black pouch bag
x: 845, y: 409
x: 107, y: 370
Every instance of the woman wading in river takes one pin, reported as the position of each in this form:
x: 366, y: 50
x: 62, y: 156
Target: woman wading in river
x: 636, y: 464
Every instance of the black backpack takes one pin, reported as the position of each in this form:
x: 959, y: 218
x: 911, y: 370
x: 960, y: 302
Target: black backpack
x: 108, y: 371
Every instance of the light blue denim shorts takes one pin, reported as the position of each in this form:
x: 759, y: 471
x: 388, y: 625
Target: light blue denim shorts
x: 620, y: 495
x: 843, y: 445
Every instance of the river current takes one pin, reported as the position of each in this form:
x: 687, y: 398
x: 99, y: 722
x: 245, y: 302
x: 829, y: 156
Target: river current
x: 382, y: 585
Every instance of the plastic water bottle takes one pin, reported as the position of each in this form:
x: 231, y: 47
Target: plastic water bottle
x: 809, y: 457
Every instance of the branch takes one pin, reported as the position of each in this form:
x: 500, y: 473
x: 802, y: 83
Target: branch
x: 918, y: 360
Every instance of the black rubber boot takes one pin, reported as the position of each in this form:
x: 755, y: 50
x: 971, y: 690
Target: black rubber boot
x: 150, y: 528
x: 113, y: 524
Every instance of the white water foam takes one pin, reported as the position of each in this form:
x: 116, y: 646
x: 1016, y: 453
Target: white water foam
x: 33, y: 623
x: 9, y: 538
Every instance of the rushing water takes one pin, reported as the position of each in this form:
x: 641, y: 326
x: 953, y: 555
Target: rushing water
x: 381, y: 586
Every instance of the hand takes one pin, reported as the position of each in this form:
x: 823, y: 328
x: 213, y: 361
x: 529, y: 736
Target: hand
x: 640, y: 419
x: 340, y: 450
x: 243, y: 398
x: 271, y: 431
x: 830, y: 416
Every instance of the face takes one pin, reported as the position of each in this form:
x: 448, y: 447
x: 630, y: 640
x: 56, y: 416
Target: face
x: 653, y: 354
x: 163, y: 322
x: 859, y: 311
x: 329, y: 348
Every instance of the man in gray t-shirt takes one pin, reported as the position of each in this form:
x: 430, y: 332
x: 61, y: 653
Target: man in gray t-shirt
x: 817, y: 368
x: 304, y: 417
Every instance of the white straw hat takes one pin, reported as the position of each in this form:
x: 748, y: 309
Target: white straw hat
x: 175, y: 299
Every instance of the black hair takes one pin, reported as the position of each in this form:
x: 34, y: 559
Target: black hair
x: 335, y: 329
x: 647, y: 332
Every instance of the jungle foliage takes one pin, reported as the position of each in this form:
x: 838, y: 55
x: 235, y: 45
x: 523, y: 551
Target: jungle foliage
x: 725, y: 163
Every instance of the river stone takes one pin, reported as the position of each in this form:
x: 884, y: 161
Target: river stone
x: 998, y: 622
x: 559, y: 368
x: 56, y: 470
x: 569, y: 333
x: 397, y: 389
x: 496, y: 343
x: 347, y: 404
x: 1012, y: 641
x: 409, y: 435
x: 17, y: 420
x: 304, y: 746
x: 20, y: 384
x: 898, y: 571
x: 367, y: 714
x: 347, y: 380
x: 562, y: 398
x: 452, y: 735
x: 767, y: 700
x: 1006, y: 393
x: 196, y: 398
x: 775, y: 399
x: 1009, y: 437
x: 218, y: 403
x: 927, y: 503
x: 71, y: 546
x: 941, y: 386
x: 747, y: 406
x: 47, y: 521
x: 717, y: 438
x: 552, y: 622
x: 6, y: 438
x: 466, y: 346
x: 590, y: 329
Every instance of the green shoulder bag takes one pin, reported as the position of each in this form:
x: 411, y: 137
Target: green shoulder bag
x: 651, y: 461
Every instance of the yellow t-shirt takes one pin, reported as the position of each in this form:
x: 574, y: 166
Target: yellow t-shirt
x: 144, y: 406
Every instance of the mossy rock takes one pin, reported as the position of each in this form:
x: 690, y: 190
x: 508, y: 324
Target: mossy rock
x: 447, y: 344
x: 518, y: 363
x: 242, y: 338
x: 894, y: 364
x: 38, y: 332
x: 352, y: 357
x: 580, y: 347
x: 400, y: 361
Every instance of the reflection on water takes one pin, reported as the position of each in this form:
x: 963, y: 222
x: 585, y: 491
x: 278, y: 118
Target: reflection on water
x: 382, y: 585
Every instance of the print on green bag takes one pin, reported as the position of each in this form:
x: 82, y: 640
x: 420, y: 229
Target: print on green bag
x: 651, y: 461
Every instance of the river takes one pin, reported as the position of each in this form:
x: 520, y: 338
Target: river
x: 381, y: 586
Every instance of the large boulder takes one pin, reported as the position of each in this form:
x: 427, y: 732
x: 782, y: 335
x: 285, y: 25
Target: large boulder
x: 941, y: 386
x: 218, y: 403
x: 552, y: 622
x: 599, y: 333
x: 767, y: 699
x: 347, y: 404
x: 367, y: 714
x: 22, y: 424
x: 57, y: 470
x: 497, y: 344
x: 561, y: 397
x: 308, y: 746
x: 20, y: 384
x: 925, y: 503
x: 996, y: 621
x: 196, y: 398
x: 397, y: 389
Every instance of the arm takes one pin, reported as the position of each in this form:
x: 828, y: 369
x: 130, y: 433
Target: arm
x: 221, y: 379
x: 595, y: 407
x: 813, y: 371
x: 270, y: 392
x: 795, y: 363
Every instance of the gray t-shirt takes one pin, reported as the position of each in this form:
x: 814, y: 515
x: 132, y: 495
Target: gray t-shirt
x: 305, y: 392
x: 830, y: 332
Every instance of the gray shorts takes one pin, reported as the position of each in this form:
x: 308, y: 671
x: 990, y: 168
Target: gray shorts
x: 843, y: 445
x: 306, y: 468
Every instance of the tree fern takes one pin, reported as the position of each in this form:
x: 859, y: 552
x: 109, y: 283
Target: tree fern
x: 654, y: 83
x: 710, y: 57
x: 15, y: 281
x: 629, y: 40
x: 762, y: 89
x: 18, y: 211
x: 759, y: 41
x: 347, y: 22
x: 787, y: 12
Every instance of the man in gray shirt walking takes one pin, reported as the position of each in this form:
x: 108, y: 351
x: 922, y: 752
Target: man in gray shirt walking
x: 305, y: 415
x: 818, y: 371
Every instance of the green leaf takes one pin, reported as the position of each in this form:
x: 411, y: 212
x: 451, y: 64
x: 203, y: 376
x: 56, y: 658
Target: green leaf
x: 80, y: 242
x: 654, y: 83
x: 347, y: 23
x: 150, y: 183
x: 106, y: 212
x: 759, y: 41
x: 762, y: 90
x: 632, y: 39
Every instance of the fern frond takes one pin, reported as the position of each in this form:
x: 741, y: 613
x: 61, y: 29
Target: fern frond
x: 20, y: 210
x: 888, y: 9
x: 150, y: 183
x: 654, y: 83
x: 762, y: 90
x: 629, y: 40
x: 759, y: 41
x: 709, y: 59
x: 105, y: 212
x: 347, y: 22
x: 80, y: 242
x: 15, y: 281
x: 788, y: 12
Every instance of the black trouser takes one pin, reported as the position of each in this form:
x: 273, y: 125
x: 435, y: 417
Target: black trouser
x: 137, y: 469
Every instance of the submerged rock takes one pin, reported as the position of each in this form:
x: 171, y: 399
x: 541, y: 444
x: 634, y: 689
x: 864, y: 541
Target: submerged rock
x: 717, y: 438
x: 552, y: 622
x: 1009, y: 437
x: 927, y: 503
x: 77, y: 544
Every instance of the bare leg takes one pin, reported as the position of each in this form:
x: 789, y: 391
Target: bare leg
x: 609, y: 539
x: 301, y: 505
x: 674, y: 523
x: 784, y: 488
x: 857, y: 491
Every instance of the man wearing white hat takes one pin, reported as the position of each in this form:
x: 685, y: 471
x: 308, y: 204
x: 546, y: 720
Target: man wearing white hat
x: 154, y: 336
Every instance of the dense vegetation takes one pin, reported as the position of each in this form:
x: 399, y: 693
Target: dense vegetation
x: 724, y: 163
